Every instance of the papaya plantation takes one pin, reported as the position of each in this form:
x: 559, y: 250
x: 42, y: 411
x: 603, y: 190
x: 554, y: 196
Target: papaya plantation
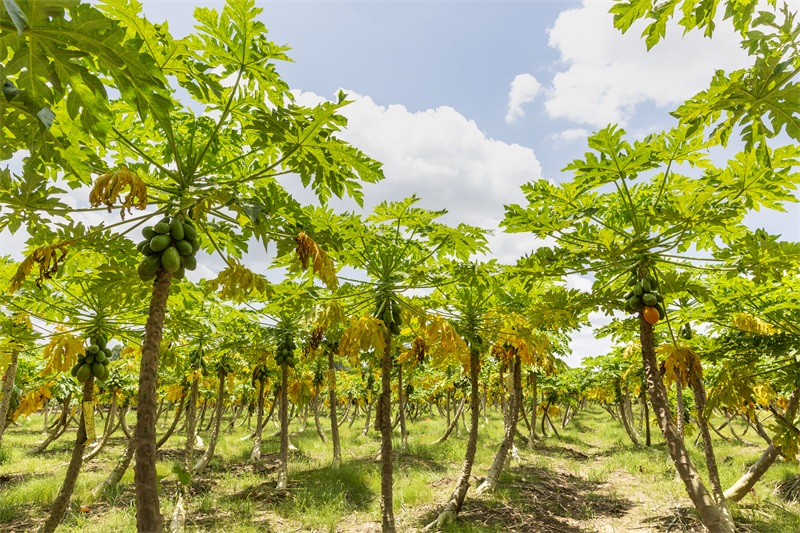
x: 200, y: 263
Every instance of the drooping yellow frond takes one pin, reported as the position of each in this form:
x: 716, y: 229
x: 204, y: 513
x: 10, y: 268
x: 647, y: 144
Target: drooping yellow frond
x: 746, y: 322
x: 300, y: 391
x: 174, y: 392
x: 238, y: 282
x: 32, y: 402
x: 108, y: 189
x: 47, y: 257
x: 415, y: 354
x: 365, y: 333
x: 679, y: 362
x: 328, y: 314
x: 322, y: 264
x: 444, y: 344
x: 61, y: 353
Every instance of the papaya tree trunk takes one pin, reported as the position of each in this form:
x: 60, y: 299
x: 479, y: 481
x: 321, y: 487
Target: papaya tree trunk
x: 384, y: 414
x: 60, y: 425
x: 191, y: 423
x: 337, y: 447
x: 452, y: 425
x: 8, y: 386
x: 111, y: 426
x: 401, y: 407
x: 255, y: 455
x: 148, y: 512
x: 122, y: 465
x: 61, y: 503
x: 453, y: 506
x: 698, y: 493
x: 510, y: 429
x: 283, y: 456
x: 202, y: 463
x: 316, y: 412
x: 178, y: 412
x: 532, y: 437
x: 679, y: 408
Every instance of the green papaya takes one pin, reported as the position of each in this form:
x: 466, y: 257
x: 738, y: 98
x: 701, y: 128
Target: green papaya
x: 649, y: 299
x: 397, y: 317
x: 75, y: 369
x: 98, y: 370
x: 105, y: 373
x: 93, y: 349
x: 189, y: 261
x: 176, y: 229
x: 628, y: 295
x: 159, y: 243
x: 84, y: 373
x: 101, y: 342
x: 171, y: 259
x: 661, y: 313
x: 107, y: 351
x: 394, y: 328
x: 645, y: 284
x: 101, y: 357
x: 148, y: 232
x: 141, y: 245
x: 149, y: 266
x: 290, y: 361
x: 387, y: 315
x: 638, y: 289
x: 184, y: 247
x: 631, y: 281
x: 189, y: 233
x: 90, y: 359
x: 146, y: 250
x: 195, y: 246
x: 653, y: 282
x: 162, y: 228
x: 180, y: 273
x: 634, y: 302
x: 659, y: 297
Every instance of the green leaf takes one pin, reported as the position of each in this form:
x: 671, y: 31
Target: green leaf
x: 18, y: 17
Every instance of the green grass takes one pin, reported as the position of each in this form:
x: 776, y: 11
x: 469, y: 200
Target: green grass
x: 592, y: 475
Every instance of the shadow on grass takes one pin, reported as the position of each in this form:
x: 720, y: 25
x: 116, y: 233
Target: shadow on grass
x: 536, y: 499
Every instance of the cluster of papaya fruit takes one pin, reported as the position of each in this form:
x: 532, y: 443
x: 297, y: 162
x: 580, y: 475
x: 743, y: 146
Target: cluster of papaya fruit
x: 196, y: 361
x: 94, y: 362
x: 225, y: 365
x: 388, y: 310
x: 644, y: 297
x: 171, y: 244
x: 319, y: 377
x: 284, y: 354
x: 260, y: 373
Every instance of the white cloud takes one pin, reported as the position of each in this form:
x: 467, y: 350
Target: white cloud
x: 609, y: 74
x: 524, y: 89
x: 570, y: 135
x: 444, y: 158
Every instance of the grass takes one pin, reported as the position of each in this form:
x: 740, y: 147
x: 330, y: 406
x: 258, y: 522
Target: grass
x: 591, y: 478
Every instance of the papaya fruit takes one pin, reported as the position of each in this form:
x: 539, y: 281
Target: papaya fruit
x: 146, y: 250
x: 660, y: 309
x: 93, y: 349
x: 634, y: 302
x: 75, y: 368
x: 105, y: 373
x: 189, y: 233
x: 649, y: 299
x: 631, y: 281
x: 149, y: 267
x: 159, y: 243
x: 89, y: 359
x: 107, y: 351
x: 141, y: 245
x: 148, y: 232
x: 397, y: 317
x: 180, y: 273
x: 651, y: 315
x: 184, y: 247
x: 84, y: 373
x: 176, y: 229
x: 394, y: 328
x: 101, y: 357
x: 101, y: 342
x: 638, y: 289
x: 195, y: 246
x: 162, y: 228
x: 171, y: 259
x: 189, y: 261
x: 98, y: 370
x: 645, y: 283
x: 387, y: 315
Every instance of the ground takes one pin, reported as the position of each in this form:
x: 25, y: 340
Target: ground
x: 589, y: 479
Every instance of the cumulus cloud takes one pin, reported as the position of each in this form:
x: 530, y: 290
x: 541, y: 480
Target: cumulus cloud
x: 446, y: 160
x: 569, y: 135
x: 524, y: 89
x: 607, y: 74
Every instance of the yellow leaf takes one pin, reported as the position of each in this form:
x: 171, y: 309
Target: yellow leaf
x: 108, y: 189
x: 237, y: 282
x: 364, y: 334
x: 47, y: 257
x: 323, y: 267
x: 746, y: 322
x: 61, y: 353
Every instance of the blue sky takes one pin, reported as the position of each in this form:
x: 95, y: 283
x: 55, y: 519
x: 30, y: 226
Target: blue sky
x: 464, y: 102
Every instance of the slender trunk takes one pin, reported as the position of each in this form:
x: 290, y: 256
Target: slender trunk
x: 646, y: 416
x: 711, y: 461
x: 316, y: 412
x: 679, y: 421
x: 304, y: 421
x: 191, y: 423
x: 447, y: 407
x: 452, y: 424
x: 271, y: 410
x: 110, y: 427
x: 532, y: 437
x: 384, y: 414
x: 148, y: 513
x: 164, y: 438
x: 122, y: 465
x: 510, y: 429
x: 8, y: 387
x: 451, y: 510
x: 255, y: 455
x: 202, y: 463
x: 346, y: 412
x: 702, y: 500
x: 59, y: 426
x: 567, y: 416
x: 623, y: 414
x: 212, y: 418
x: 337, y: 448
x: 744, y: 484
x: 123, y: 422
x: 401, y: 408
x: 61, y: 503
x: 283, y: 457
x: 202, y: 414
